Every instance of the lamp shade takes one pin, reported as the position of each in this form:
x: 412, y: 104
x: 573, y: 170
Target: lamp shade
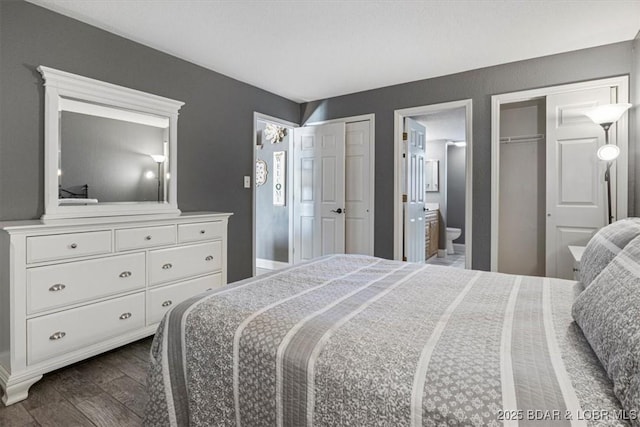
x: 158, y: 158
x: 608, y: 152
x: 608, y: 113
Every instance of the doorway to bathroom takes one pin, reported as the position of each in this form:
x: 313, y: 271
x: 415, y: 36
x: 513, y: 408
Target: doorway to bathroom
x: 433, y: 182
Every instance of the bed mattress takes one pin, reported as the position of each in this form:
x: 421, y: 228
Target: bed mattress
x: 362, y: 341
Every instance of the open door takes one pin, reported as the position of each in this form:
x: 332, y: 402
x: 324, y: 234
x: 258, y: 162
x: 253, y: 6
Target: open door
x: 414, y: 232
x: 575, y: 189
x: 319, y: 191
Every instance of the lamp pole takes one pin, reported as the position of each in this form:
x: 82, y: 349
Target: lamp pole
x: 159, y: 163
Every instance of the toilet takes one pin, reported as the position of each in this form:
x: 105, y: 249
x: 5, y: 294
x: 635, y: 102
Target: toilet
x: 452, y: 234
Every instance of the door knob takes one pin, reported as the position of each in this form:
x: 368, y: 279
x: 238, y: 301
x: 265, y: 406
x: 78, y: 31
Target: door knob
x: 338, y: 211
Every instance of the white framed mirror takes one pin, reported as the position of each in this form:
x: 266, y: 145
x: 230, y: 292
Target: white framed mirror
x: 109, y: 150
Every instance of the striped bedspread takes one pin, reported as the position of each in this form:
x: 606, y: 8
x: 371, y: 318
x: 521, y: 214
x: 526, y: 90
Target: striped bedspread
x: 361, y: 341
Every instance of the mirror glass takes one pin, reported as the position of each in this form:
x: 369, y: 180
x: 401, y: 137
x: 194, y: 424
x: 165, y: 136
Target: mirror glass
x: 431, y: 176
x: 109, y: 155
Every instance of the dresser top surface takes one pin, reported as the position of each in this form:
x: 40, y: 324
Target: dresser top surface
x: 113, y: 221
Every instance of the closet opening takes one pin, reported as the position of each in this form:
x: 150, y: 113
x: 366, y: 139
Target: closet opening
x: 548, y: 189
x: 521, y: 247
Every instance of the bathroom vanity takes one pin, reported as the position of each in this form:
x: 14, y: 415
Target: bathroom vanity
x: 431, y: 232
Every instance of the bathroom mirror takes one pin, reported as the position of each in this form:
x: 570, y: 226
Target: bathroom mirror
x: 431, y: 170
x: 109, y: 150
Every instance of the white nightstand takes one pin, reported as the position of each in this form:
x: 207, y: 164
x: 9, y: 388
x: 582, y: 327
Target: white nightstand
x: 576, y: 253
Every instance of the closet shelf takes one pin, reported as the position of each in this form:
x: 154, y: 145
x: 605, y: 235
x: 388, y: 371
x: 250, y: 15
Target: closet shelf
x: 521, y: 138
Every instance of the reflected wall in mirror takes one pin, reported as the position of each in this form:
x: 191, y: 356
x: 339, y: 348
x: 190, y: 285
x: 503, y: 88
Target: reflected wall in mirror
x: 108, y: 153
x: 109, y: 150
x: 432, y: 174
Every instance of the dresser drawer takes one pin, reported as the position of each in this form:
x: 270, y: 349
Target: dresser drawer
x: 147, y: 237
x: 170, y: 264
x: 63, y: 332
x: 160, y: 300
x: 61, y: 246
x: 200, y: 231
x: 73, y: 282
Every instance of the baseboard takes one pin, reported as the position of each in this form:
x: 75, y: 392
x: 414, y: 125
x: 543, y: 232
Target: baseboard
x: 268, y: 264
x: 458, y: 247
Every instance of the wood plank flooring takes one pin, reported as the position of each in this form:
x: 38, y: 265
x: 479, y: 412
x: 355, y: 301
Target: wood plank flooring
x: 107, y: 390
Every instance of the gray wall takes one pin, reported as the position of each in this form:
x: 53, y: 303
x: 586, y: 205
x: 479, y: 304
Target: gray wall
x: 215, y: 131
x: 272, y: 222
x: 456, y: 189
x: 479, y: 85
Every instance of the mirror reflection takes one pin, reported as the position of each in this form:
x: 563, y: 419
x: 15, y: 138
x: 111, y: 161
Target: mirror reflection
x: 111, y: 155
x: 432, y: 182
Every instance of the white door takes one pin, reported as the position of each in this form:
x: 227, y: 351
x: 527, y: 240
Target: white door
x: 357, y: 193
x: 319, y: 191
x: 414, y: 239
x: 576, y: 195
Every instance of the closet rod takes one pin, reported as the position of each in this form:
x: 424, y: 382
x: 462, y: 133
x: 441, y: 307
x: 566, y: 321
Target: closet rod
x: 521, y: 138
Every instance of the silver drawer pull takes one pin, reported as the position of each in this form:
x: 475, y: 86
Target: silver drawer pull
x: 167, y: 266
x: 209, y: 258
x: 57, y: 336
x: 125, y: 316
x: 202, y: 232
x: 73, y: 245
x: 147, y: 238
x: 125, y: 274
x: 167, y: 303
x: 57, y: 287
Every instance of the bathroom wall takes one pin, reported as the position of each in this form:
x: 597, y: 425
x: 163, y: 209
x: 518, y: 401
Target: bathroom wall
x: 456, y: 189
x: 272, y: 222
x: 436, y: 150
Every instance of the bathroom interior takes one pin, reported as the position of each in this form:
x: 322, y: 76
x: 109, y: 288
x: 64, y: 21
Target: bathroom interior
x: 445, y: 157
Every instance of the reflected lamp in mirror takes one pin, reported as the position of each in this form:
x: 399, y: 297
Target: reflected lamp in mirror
x: 432, y: 176
x: 159, y: 159
x: 104, y: 136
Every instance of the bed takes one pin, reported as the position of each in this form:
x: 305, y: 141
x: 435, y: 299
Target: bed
x: 362, y: 341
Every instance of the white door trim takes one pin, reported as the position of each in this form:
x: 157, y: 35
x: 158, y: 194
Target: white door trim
x: 622, y: 163
x: 290, y: 125
x: 372, y: 160
x: 399, y: 116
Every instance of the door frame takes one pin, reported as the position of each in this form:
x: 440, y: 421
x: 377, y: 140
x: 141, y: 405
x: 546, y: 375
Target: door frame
x: 621, y: 165
x: 289, y: 125
x: 371, y: 117
x: 398, y: 128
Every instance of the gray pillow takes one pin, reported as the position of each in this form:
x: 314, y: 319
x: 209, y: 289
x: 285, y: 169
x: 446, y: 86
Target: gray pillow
x: 608, y: 312
x: 605, y: 245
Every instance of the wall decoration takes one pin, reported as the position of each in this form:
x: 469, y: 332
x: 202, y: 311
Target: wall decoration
x: 279, y: 178
x: 261, y: 172
x: 275, y: 133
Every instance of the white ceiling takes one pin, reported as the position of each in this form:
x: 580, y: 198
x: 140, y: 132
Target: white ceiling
x: 312, y: 49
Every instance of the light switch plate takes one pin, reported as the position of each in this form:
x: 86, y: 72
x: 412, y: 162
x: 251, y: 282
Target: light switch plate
x: 247, y: 182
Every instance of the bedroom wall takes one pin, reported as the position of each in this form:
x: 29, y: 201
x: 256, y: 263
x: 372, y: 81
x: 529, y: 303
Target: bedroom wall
x: 479, y: 85
x: 215, y: 129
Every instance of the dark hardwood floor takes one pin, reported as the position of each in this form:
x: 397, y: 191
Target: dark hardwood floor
x: 106, y: 390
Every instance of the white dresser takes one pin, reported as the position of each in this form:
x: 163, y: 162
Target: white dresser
x: 75, y: 288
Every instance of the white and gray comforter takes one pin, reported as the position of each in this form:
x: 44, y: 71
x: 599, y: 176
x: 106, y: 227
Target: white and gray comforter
x: 361, y: 341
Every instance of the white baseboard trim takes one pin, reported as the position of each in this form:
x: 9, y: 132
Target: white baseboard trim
x: 268, y: 264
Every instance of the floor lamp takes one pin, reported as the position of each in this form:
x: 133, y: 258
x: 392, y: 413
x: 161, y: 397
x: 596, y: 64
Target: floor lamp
x: 605, y: 116
x: 159, y: 159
